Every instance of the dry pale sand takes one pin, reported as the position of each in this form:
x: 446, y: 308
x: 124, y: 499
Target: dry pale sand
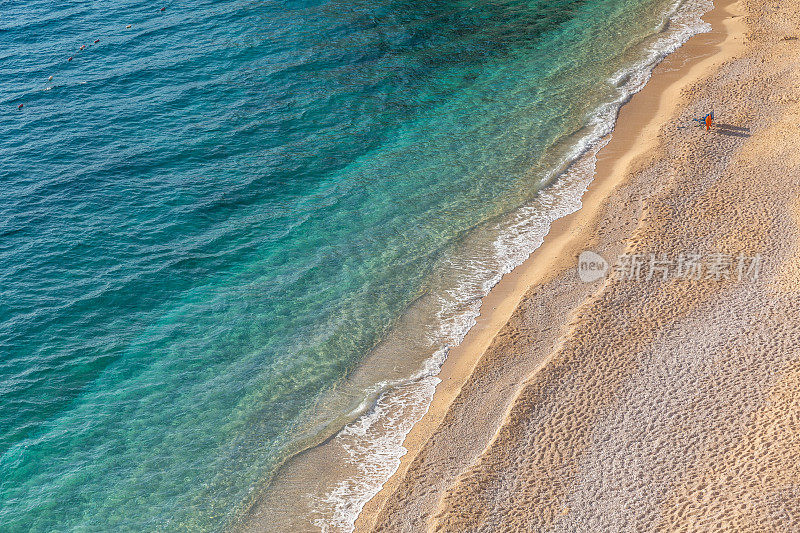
x: 637, y: 405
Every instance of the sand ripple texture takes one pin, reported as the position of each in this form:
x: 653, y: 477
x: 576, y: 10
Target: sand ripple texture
x: 661, y: 405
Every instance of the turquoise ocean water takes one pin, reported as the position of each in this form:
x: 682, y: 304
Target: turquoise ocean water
x: 212, y: 220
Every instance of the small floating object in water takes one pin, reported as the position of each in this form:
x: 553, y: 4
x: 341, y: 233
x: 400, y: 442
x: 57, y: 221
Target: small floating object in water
x: 96, y: 41
x: 128, y: 26
x: 70, y: 59
x: 83, y: 46
x: 163, y: 9
x: 50, y: 78
x: 20, y: 106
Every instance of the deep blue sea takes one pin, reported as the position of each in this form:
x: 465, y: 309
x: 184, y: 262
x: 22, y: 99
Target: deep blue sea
x: 210, y: 220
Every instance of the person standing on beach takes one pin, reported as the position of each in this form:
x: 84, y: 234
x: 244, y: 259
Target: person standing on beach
x: 709, y: 118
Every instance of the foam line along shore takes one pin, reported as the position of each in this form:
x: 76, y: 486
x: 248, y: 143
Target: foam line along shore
x: 368, y: 451
x: 667, y: 392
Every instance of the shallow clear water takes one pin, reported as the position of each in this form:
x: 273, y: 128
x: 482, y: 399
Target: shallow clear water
x: 209, y: 219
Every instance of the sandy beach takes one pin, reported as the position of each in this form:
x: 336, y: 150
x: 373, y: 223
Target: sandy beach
x: 664, y: 395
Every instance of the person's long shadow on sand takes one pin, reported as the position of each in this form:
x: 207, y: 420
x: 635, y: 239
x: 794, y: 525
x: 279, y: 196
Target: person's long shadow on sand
x: 730, y: 130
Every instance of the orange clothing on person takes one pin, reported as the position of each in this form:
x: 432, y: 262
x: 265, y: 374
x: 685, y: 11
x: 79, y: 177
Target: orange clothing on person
x: 708, y: 122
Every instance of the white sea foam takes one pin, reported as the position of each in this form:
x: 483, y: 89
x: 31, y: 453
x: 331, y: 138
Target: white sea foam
x: 374, y: 441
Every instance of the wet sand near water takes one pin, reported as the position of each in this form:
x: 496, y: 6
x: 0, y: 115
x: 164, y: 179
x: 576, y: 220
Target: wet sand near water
x: 641, y: 404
